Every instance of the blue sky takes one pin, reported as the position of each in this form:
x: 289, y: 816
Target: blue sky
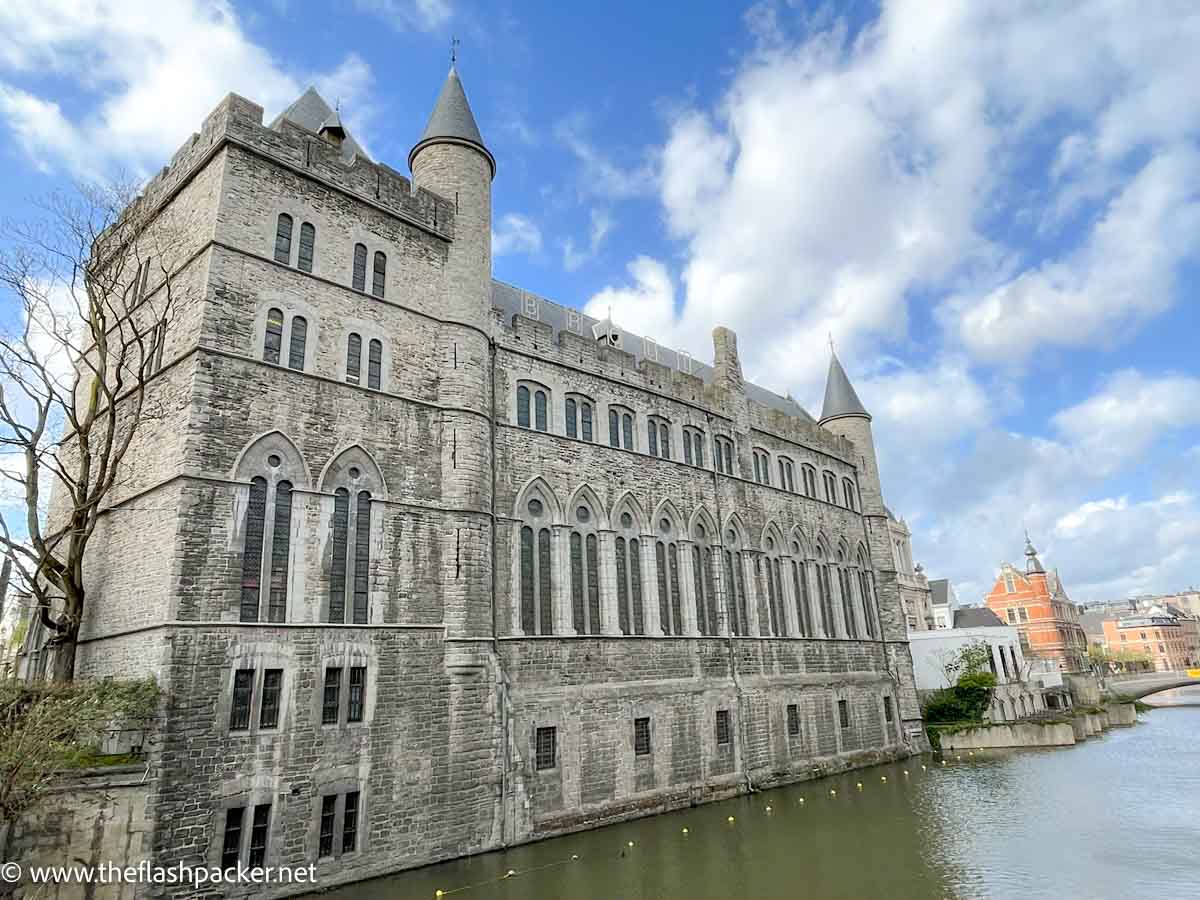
x: 994, y: 208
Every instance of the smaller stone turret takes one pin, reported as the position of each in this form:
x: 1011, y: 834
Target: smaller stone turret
x: 727, y: 367
x: 1033, y: 565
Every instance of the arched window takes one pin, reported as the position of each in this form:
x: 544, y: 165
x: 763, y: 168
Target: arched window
x: 866, y: 592
x: 735, y: 584
x: 353, y: 357
x: 537, y: 600
x: 308, y: 240
x: 762, y: 466
x: 267, y: 545
x: 666, y: 558
x: 830, y: 487
x: 297, y: 339
x: 283, y: 239
x: 374, y: 363
x: 658, y: 436
x: 693, y: 446
x: 579, y: 414
x: 799, y: 566
x: 379, y: 274
x: 585, y: 570
x: 769, y: 570
x: 844, y: 588
x: 810, y: 481
x: 350, y: 569
x: 628, y: 546
x: 825, y: 592
x: 723, y: 454
x: 620, y: 428
x: 532, y: 406
x: 273, y: 337
x: 703, y: 583
x: 358, y: 280
x: 849, y: 494
x: 787, y: 474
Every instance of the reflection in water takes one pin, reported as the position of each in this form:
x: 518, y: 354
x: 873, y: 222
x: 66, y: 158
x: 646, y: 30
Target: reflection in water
x: 1114, y: 817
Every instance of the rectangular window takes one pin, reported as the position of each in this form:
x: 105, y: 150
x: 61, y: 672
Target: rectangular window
x: 231, y: 849
x: 641, y: 736
x: 586, y: 414
x: 332, y: 697
x: 374, y: 364
x: 258, y: 836
x: 350, y: 823
x: 358, y: 693
x: 887, y: 709
x: 793, y: 720
x: 272, y: 683
x: 722, y: 726
x: 1024, y: 613
x: 304, y: 259
x: 844, y: 713
x: 546, y: 749
x: 1012, y: 616
x: 243, y: 692
x: 328, y: 811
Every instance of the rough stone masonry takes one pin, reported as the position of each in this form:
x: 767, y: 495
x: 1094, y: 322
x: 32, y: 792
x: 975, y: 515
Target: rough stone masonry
x: 429, y: 565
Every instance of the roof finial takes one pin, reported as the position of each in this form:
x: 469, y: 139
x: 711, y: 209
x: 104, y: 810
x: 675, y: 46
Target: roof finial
x: 831, y: 349
x: 454, y: 42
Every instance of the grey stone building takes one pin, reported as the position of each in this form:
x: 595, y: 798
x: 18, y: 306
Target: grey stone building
x: 429, y: 565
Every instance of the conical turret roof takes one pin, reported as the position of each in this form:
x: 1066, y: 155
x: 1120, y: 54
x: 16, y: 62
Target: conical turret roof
x: 840, y: 397
x: 452, y: 122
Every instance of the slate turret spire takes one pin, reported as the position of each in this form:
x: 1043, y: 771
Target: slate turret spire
x: 452, y: 122
x: 1033, y: 565
x: 840, y: 396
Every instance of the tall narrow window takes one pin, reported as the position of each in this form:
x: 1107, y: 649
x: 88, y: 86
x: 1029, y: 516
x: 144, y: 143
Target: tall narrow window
x: 687, y: 447
x: 337, y: 568
x: 578, y: 415
x: 800, y: 590
x: 585, y: 574
x: 722, y: 726
x: 849, y: 494
x: 374, y: 363
x: 350, y: 823
x: 698, y: 448
x: 273, y: 338
x: 379, y: 274
x: 522, y: 406
x: 362, y: 558
x: 704, y: 590
x: 283, y: 239
x: 830, y: 487
x: 272, y: 684
x: 843, y: 713
x: 793, y: 720
x: 627, y: 430
x: 358, y: 693
x: 280, y: 550
x: 545, y: 748
x: 658, y: 433
x: 353, y: 358
x: 641, y: 736
x: 723, y: 454
x: 787, y: 474
x: 231, y: 848
x: 359, y: 278
x: 735, y: 586
x: 331, y: 697
x: 824, y: 594
x: 888, y: 714
x: 585, y: 412
x: 346, y: 570
x: 296, y: 341
x: 539, y: 410
x: 570, y: 417
x: 308, y: 239
x: 258, y: 836
x: 256, y: 511
x: 666, y: 555
x: 614, y: 428
x: 243, y: 691
x: 534, y: 565
x: 328, y: 813
x: 844, y: 587
x: 810, y: 481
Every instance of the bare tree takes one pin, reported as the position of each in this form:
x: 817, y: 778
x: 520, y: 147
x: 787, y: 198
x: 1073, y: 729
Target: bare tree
x: 90, y: 290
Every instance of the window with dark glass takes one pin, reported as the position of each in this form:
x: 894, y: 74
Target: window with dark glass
x: 348, y: 570
x: 258, y: 836
x: 844, y: 713
x: 723, y: 453
x: 849, y: 494
x: 358, y: 693
x: 722, y: 726
x: 545, y: 754
x: 658, y: 436
x: 830, y: 487
x: 353, y: 358
x: 296, y: 342
x: 283, y: 239
x: 787, y: 474
x: 308, y: 239
x: 641, y: 736
x: 328, y: 814
x: 888, y: 715
x: 231, y: 847
x: 273, y: 338
x: 379, y: 274
x: 243, y: 693
x: 522, y: 406
x: 536, y: 587
x: 268, y: 716
x: 331, y: 698
x: 539, y: 411
x: 359, y: 278
x: 800, y: 591
x: 810, y: 481
x: 578, y: 415
x: 350, y: 823
x: 280, y: 551
x: 629, y: 583
x: 256, y: 512
x: 585, y: 577
x: 793, y: 720
x: 666, y: 557
x: 762, y: 467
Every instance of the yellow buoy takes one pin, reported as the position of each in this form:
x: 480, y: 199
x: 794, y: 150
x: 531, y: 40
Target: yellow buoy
x: 943, y: 762
x: 906, y: 773
x: 510, y: 873
x: 730, y: 819
x: 439, y: 892
x: 832, y: 792
x: 574, y: 856
x: 768, y: 809
x: 859, y: 785
x: 923, y: 769
x: 631, y: 843
x: 883, y: 778
x: 685, y: 831
x: 970, y: 753
x: 801, y: 799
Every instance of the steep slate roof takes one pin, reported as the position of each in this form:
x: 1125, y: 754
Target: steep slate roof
x: 311, y: 111
x: 452, y: 121
x: 976, y: 617
x: 840, y: 397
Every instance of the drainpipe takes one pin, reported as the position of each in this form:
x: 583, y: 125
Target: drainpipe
x: 737, y: 682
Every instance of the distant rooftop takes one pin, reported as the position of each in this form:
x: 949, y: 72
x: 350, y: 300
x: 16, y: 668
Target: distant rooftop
x: 976, y: 617
x: 514, y: 300
x: 311, y: 111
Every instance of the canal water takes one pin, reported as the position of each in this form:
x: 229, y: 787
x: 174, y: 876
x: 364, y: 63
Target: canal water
x: 1115, y: 817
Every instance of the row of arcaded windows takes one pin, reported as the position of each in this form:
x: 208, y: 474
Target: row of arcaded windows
x: 689, y: 574
x: 296, y: 329
x: 306, y: 251
x: 257, y: 702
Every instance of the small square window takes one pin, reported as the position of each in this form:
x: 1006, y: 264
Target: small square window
x: 546, y: 748
x: 641, y: 736
x: 722, y: 726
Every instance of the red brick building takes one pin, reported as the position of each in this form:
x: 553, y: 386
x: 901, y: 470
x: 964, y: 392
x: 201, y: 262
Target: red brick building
x: 1170, y: 638
x: 1037, y: 604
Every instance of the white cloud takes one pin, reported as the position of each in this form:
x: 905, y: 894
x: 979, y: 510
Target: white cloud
x: 574, y: 257
x: 650, y: 300
x: 410, y: 15
x: 516, y: 234
x: 601, y: 176
x: 147, y: 72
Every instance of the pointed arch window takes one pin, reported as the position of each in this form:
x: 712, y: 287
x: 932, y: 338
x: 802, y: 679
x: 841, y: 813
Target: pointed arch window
x: 800, y: 591
x: 845, y: 589
x: 867, y: 593
x: 585, y: 571
x: 666, y: 560
x: 266, y: 548
x: 358, y: 279
x: 578, y: 416
x: 825, y: 593
x: 350, y: 570
x: 283, y: 239
x: 769, y: 571
x: 628, y: 551
x: 536, y: 589
x: 735, y: 585
x: 379, y: 273
x: 308, y: 241
x: 704, y: 588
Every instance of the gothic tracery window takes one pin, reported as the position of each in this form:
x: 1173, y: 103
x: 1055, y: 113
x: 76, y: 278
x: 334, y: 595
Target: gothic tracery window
x: 666, y: 560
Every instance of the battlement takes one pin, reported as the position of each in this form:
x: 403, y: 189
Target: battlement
x: 568, y: 337
x: 240, y: 120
